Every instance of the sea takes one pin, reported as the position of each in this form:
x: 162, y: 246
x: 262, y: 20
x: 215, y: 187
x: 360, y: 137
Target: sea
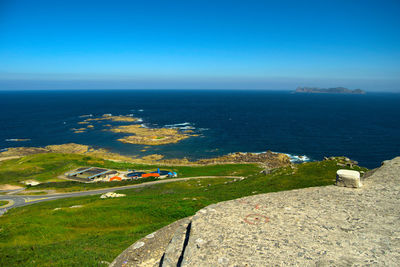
x: 308, y: 127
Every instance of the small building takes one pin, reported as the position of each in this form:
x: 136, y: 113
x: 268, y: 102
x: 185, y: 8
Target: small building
x: 90, y: 174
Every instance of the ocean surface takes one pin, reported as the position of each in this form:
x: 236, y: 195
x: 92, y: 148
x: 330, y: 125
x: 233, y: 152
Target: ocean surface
x: 365, y: 128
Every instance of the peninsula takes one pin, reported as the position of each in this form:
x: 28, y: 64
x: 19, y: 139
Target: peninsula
x: 334, y: 90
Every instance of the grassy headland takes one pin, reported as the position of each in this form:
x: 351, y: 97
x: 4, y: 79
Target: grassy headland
x: 43, y: 235
x: 47, y: 168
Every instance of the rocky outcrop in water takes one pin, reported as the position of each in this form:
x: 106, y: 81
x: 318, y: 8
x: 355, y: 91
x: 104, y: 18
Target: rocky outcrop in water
x: 335, y: 90
x: 149, y: 136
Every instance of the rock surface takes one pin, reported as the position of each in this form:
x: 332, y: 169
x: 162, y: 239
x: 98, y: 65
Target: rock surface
x: 111, y: 195
x: 268, y: 159
x: 314, y: 226
x: 334, y: 90
x: 320, y: 226
x: 31, y: 182
x: 148, y: 251
x: 348, y: 178
x: 149, y: 136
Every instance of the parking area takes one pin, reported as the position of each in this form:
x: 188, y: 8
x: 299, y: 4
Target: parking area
x: 95, y: 174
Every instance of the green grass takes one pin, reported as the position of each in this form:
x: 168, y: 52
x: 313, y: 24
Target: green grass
x: 72, y: 186
x: 38, y: 235
x: 3, y: 202
x: 34, y: 193
x: 47, y: 167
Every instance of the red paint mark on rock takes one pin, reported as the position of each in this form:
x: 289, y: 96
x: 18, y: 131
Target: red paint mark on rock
x: 242, y: 201
x: 255, y: 219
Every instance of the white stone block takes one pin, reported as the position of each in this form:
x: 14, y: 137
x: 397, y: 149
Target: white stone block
x: 348, y: 178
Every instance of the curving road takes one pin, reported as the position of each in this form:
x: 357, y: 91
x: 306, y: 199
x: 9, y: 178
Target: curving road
x: 23, y: 200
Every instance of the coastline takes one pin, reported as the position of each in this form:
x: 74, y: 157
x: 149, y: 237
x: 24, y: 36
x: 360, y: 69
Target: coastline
x: 268, y: 159
x: 261, y: 126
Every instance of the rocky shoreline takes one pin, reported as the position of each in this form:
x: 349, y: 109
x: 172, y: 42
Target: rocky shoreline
x: 267, y: 159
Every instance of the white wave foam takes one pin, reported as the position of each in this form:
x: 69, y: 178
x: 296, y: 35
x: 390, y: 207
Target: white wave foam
x: 85, y: 116
x: 186, y: 128
x: 298, y: 158
x: 17, y: 140
x: 140, y: 110
x: 177, y: 125
x: 3, y: 149
x: 144, y: 125
x: 293, y: 158
x: 139, y: 120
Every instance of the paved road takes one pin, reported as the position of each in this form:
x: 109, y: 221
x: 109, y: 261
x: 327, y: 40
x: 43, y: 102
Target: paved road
x: 23, y: 200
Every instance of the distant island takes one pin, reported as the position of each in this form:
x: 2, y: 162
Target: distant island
x: 334, y: 90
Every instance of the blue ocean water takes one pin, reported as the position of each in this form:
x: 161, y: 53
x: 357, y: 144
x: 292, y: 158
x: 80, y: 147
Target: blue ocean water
x: 365, y: 128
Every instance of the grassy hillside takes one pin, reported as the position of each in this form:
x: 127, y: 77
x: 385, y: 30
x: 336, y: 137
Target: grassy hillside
x: 47, y: 167
x: 39, y: 235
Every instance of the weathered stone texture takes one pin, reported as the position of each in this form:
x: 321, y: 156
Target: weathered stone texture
x: 320, y: 226
x: 348, y: 178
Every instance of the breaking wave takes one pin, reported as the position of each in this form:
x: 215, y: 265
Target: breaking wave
x: 293, y: 158
x: 187, y: 128
x: 85, y: 116
x: 177, y: 125
x: 298, y: 158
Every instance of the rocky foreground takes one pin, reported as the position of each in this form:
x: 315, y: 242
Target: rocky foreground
x: 320, y: 226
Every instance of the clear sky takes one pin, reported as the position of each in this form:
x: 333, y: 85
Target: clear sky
x: 69, y: 44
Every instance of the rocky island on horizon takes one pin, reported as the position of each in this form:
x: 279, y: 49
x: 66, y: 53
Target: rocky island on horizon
x: 334, y: 90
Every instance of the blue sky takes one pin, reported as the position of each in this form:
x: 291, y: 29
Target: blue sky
x: 199, y: 44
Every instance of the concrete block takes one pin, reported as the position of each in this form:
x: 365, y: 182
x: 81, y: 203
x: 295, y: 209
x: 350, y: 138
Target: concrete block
x: 348, y: 178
